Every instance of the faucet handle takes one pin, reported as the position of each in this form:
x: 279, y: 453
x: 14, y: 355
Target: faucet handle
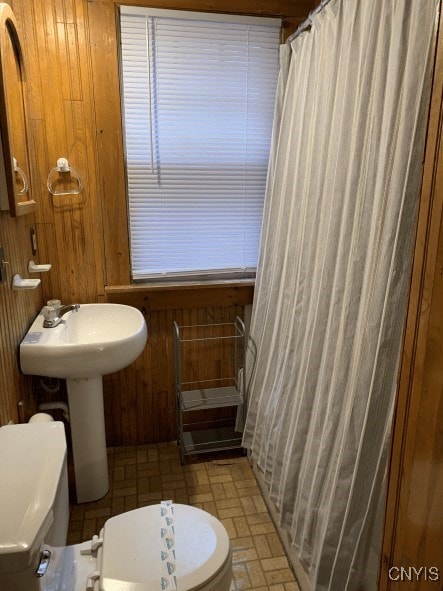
x: 50, y: 313
x: 55, y: 303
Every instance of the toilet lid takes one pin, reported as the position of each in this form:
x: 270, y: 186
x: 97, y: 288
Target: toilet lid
x: 131, y: 553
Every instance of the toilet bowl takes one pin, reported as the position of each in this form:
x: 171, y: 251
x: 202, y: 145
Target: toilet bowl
x: 154, y: 548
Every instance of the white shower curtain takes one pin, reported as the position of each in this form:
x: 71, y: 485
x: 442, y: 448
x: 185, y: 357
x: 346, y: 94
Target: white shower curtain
x: 333, y: 277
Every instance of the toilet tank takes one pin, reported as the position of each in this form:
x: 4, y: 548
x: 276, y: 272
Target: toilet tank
x: 34, y: 504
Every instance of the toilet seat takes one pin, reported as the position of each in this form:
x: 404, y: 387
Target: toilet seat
x: 130, y: 557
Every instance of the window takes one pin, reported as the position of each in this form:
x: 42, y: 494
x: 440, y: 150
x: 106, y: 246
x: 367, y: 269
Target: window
x: 198, y: 98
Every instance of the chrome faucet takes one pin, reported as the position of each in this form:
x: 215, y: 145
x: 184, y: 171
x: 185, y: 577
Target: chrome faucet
x: 53, y: 314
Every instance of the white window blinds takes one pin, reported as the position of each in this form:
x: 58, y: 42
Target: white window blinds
x: 198, y: 98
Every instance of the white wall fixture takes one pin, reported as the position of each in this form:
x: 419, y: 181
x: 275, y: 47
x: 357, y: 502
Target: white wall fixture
x: 19, y: 283
x: 34, y: 268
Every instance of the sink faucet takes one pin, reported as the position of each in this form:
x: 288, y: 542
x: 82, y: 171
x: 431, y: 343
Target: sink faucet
x: 53, y: 314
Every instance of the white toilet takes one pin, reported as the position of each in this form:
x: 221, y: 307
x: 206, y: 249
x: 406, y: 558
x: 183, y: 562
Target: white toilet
x: 129, y: 553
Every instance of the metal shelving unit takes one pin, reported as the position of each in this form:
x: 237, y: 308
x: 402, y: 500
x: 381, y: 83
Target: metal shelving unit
x: 217, y: 351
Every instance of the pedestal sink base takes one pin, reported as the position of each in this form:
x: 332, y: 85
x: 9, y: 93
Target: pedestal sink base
x: 87, y: 419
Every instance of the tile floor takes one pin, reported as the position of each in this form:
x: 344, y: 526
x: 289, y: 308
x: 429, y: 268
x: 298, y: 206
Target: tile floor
x: 224, y: 486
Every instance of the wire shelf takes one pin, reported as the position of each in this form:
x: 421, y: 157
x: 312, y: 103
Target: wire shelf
x: 209, y: 365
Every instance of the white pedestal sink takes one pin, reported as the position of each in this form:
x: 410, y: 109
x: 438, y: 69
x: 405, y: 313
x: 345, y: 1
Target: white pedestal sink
x: 96, y: 340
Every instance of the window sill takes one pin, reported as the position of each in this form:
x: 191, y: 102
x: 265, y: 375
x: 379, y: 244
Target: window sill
x: 182, y: 294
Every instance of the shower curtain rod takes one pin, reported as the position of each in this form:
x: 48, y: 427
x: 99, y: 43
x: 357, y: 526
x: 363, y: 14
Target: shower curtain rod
x: 308, y: 22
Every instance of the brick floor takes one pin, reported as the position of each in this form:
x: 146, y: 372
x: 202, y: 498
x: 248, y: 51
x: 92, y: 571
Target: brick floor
x: 226, y: 487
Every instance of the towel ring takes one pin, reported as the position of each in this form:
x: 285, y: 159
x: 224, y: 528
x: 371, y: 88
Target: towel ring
x: 63, y: 167
x: 22, y: 175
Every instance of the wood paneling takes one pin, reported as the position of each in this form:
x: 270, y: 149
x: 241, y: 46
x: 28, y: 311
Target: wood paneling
x: 167, y: 297
x: 414, y: 517
x: 295, y: 8
x: 17, y: 310
x: 70, y: 228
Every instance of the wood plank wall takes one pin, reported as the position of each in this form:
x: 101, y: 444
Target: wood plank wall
x: 17, y: 310
x: 69, y: 228
x: 70, y: 49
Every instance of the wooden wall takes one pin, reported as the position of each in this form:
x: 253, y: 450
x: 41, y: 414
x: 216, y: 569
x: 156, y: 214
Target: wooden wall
x: 69, y: 228
x: 17, y: 310
x: 72, y: 62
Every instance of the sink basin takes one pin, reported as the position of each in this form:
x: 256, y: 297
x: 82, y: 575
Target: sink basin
x: 96, y: 340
